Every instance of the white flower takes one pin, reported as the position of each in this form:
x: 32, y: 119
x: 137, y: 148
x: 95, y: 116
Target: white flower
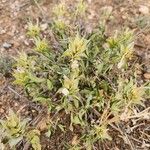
x: 65, y: 91
x: 74, y: 64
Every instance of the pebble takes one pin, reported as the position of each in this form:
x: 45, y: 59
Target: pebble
x: 89, y: 1
x: 147, y: 75
x: 139, y: 72
x: 33, y: 111
x: 1, y: 110
x: 122, y: 9
x: 3, y: 1
x: 144, y: 10
x: 125, y: 16
x: 2, y: 31
x: 26, y: 42
x: 7, y: 45
x: 16, y: 104
x: 44, y: 26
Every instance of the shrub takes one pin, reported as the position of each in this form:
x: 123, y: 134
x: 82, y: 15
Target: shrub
x: 85, y: 75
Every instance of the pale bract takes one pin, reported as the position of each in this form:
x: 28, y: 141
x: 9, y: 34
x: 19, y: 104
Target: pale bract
x: 65, y: 91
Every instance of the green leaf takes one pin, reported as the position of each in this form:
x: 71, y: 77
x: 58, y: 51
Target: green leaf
x: 33, y: 138
x: 76, y: 103
x: 62, y: 127
x: 76, y: 120
x: 36, y: 79
x: 49, y: 84
x: 48, y: 133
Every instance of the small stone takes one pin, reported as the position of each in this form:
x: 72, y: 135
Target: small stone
x: 124, y: 17
x: 139, y: 72
x: 16, y: 104
x: 122, y: 9
x: 89, y: 1
x: 144, y: 10
x: 33, y: 111
x: 2, y: 31
x: 1, y: 110
x: 3, y: 1
x: 44, y: 26
x: 22, y: 37
x: 7, y: 45
x: 26, y: 42
x: 147, y: 75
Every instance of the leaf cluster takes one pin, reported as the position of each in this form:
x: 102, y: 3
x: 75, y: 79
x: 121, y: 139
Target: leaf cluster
x: 13, y: 130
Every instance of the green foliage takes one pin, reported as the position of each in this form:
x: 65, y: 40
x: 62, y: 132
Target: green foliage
x: 80, y: 8
x: 76, y: 48
x: 128, y: 94
x: 5, y: 65
x: 13, y: 130
x: 84, y: 75
x: 100, y: 132
x: 33, y: 138
x: 143, y: 22
x: 33, y: 29
x: 41, y: 45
